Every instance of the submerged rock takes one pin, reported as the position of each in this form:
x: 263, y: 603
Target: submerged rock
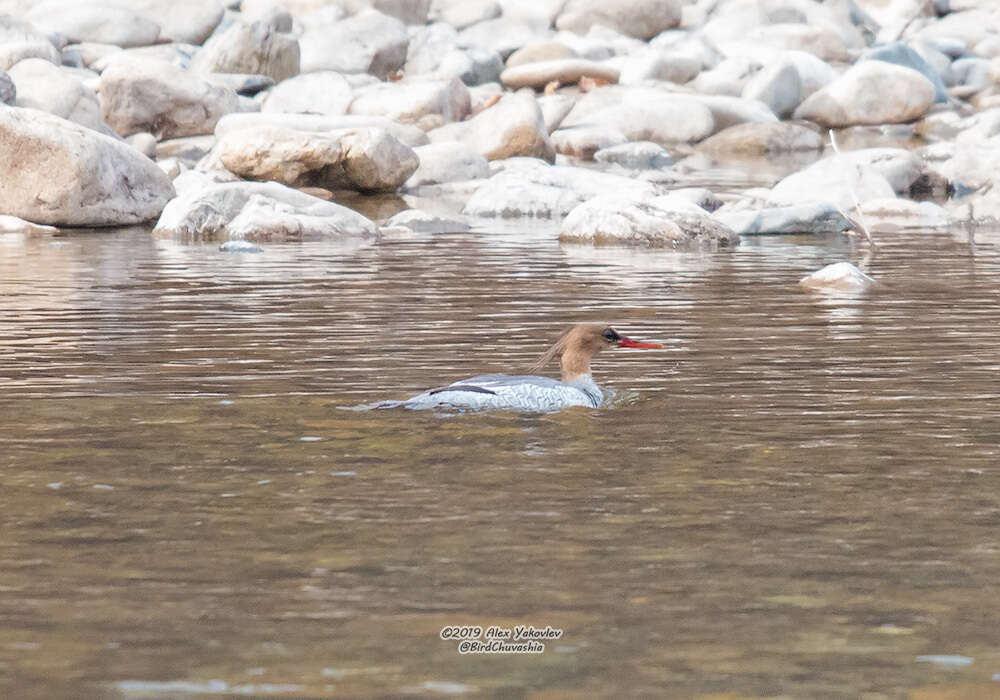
x: 804, y: 218
x: 838, y: 277
x: 75, y: 177
x: 636, y: 155
x: 423, y: 222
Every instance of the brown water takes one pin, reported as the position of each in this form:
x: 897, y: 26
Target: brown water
x: 800, y: 497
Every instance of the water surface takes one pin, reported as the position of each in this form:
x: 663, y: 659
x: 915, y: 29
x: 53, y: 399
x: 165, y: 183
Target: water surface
x: 798, y: 497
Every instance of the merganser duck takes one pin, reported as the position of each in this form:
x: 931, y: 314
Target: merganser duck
x: 574, y: 348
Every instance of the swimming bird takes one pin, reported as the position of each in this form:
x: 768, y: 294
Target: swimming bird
x: 575, y: 348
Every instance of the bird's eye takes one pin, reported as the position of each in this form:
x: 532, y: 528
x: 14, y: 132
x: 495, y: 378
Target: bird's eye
x: 610, y: 335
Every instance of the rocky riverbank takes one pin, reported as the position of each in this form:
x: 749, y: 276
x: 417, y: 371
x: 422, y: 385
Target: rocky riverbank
x: 658, y: 123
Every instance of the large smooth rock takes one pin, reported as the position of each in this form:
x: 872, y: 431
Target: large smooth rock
x: 759, y: 139
x: 184, y: 21
x: 838, y: 277
x: 644, y: 114
x: 448, y: 161
x: 512, y: 127
x: 75, y: 176
x: 901, y: 54
x: 249, y: 48
x: 831, y: 181
x: 41, y: 85
x: 652, y: 64
x: 642, y: 19
x: 871, y: 92
x: 106, y: 23
x: 405, y: 133
x: 435, y: 52
x: 566, y: 71
x: 259, y: 211
x: 818, y: 217
x: 368, y: 42
x: 322, y: 92
x: 408, y: 101
x: 280, y: 154
x: 778, y: 85
x: 538, y: 190
x: 660, y: 222
x: 375, y: 161
x: 148, y: 94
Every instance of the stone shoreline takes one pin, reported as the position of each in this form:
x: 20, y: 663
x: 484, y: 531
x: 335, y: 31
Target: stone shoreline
x: 250, y: 120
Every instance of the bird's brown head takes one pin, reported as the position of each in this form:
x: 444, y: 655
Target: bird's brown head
x: 577, y: 345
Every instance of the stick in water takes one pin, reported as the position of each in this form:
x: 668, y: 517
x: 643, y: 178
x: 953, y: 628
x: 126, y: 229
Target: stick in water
x: 854, y: 195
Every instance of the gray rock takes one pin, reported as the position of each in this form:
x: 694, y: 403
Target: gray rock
x: 406, y: 133
x: 94, y: 21
x: 375, y: 161
x: 75, y: 177
x: 533, y: 189
x: 422, y: 222
x: 642, y: 19
x: 651, y: 223
x: 408, y: 101
x: 822, y: 40
x: 760, y: 139
x: 727, y: 111
x: 8, y: 91
x: 512, y: 127
x: 971, y: 75
x: 259, y: 211
x: 464, y: 13
x: 502, y: 35
x: 674, y: 67
x: 902, y: 55
x: 368, y: 42
x: 636, y: 155
x: 280, y: 154
x: 540, y: 51
x: 644, y: 114
x: 778, y: 85
x: 824, y: 181
x: 246, y: 84
x: 727, y: 78
x: 586, y: 140
x: 144, y: 142
x: 871, y: 92
x: 13, y: 52
x: 240, y: 246
x: 566, y: 71
x: 41, y: 85
x: 818, y: 217
x: 249, y: 48
x: 322, y: 92
x: 447, y: 162
x: 184, y: 21
x: 838, y: 277
x: 146, y: 94
x: 179, y: 55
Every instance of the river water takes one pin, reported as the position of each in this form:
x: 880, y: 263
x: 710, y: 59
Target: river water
x: 798, y: 497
